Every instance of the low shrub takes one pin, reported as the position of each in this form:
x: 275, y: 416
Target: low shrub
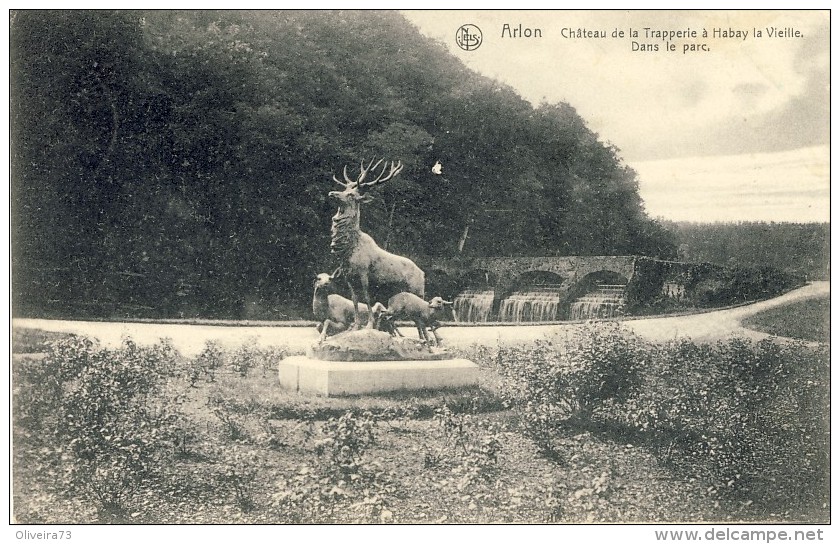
x: 555, y: 385
x: 749, y: 419
x: 206, y: 364
x: 244, y: 358
x: 107, y: 416
x: 741, y: 284
x: 342, y: 476
x: 468, y: 452
x: 237, y: 476
x: 233, y: 416
x: 250, y: 356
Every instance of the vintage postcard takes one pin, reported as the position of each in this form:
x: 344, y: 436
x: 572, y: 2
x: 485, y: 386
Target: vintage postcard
x: 430, y: 268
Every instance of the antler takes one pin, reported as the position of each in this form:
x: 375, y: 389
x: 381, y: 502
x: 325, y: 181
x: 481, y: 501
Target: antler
x: 382, y: 178
x: 346, y: 178
x: 363, y: 171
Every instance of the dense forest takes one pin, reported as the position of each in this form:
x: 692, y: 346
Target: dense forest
x: 177, y: 163
x: 800, y: 249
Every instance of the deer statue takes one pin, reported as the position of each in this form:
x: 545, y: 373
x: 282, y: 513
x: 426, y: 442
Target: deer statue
x: 333, y: 312
x: 363, y: 262
x: 426, y: 315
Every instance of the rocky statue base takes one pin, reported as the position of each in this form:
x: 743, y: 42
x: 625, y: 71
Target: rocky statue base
x: 373, y: 345
x: 369, y: 362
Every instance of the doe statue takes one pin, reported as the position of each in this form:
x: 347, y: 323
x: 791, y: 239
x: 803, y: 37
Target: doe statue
x: 333, y: 312
x: 426, y: 315
x: 362, y: 261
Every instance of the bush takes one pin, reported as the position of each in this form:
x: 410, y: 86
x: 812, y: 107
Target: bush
x: 247, y: 357
x: 740, y: 284
x: 244, y: 358
x: 206, y: 363
x: 108, y: 415
x: 750, y: 419
x: 239, y: 471
x: 342, y: 476
x: 556, y: 385
x: 232, y: 415
x: 469, y: 454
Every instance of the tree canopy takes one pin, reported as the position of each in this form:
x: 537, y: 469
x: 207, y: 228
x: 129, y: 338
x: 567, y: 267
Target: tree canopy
x: 799, y: 249
x: 170, y: 163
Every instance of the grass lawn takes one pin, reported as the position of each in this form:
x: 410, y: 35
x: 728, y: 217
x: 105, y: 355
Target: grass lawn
x: 804, y: 320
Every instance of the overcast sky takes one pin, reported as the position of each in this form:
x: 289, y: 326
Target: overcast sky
x: 739, y: 132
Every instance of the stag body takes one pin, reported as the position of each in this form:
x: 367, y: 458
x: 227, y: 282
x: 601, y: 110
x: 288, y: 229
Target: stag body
x: 362, y: 260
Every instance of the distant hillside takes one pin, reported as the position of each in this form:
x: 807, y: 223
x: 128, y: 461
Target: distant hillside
x: 800, y: 249
x: 173, y: 163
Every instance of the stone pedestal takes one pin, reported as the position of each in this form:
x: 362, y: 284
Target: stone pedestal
x: 342, y: 378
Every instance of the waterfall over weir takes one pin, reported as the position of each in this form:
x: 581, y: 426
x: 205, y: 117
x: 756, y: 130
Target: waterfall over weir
x: 533, y: 304
x: 604, y: 302
x: 474, y: 305
x: 539, y: 303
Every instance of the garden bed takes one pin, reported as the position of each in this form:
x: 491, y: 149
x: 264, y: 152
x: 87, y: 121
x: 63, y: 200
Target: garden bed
x: 213, y: 439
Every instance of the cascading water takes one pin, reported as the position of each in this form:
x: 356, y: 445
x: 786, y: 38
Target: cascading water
x: 538, y: 303
x: 532, y: 304
x: 604, y: 302
x: 474, y: 305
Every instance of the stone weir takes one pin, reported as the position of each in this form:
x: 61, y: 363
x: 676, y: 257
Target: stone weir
x: 367, y: 361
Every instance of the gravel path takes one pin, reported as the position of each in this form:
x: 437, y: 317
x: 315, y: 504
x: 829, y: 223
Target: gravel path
x: 190, y: 339
x: 722, y: 323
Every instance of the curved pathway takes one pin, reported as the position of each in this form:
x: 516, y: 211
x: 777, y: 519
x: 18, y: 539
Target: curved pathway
x: 190, y: 339
x: 721, y: 323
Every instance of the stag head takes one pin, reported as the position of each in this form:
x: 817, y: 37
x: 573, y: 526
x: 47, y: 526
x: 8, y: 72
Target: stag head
x: 354, y: 191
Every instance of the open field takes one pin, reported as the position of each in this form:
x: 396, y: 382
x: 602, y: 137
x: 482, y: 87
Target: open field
x: 805, y: 320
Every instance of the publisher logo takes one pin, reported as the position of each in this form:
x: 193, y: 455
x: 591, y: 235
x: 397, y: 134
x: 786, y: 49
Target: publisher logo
x: 468, y: 37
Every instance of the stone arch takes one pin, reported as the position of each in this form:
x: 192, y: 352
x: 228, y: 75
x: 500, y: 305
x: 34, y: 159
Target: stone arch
x: 536, y: 278
x: 600, y: 277
x: 478, y: 278
x: 599, y: 266
x: 593, y: 282
x: 533, y: 295
x: 532, y: 278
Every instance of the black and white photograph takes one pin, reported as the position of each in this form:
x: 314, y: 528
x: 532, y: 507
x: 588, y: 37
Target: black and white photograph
x: 420, y: 267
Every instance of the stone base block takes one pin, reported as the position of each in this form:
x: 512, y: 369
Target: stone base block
x: 342, y: 378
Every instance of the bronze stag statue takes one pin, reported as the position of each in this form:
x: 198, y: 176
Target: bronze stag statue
x: 362, y: 261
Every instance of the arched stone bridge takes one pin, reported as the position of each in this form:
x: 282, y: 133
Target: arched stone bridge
x: 635, y: 281
x: 506, y: 273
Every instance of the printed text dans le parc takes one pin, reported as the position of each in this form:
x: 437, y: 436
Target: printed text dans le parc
x: 649, y: 39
